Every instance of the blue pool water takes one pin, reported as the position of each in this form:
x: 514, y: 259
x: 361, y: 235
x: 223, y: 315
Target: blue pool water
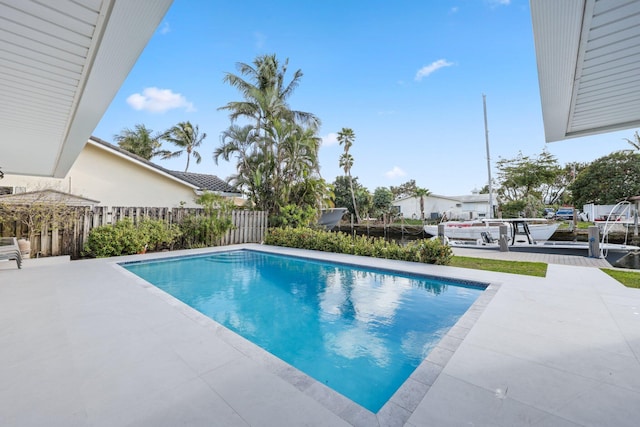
x: 360, y: 331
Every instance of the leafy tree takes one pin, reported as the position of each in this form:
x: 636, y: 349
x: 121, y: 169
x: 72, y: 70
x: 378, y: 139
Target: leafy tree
x: 278, y: 150
x: 365, y: 201
x: 608, y: 179
x: 346, y: 136
x: 527, y: 179
x: 342, y: 190
x: 558, y: 192
x: 187, y: 138
x: 382, y: 201
x: 529, y: 206
x: 408, y: 189
x: 141, y: 142
x: 314, y: 192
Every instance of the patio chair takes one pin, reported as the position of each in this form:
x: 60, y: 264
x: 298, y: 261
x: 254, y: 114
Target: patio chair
x: 9, y: 250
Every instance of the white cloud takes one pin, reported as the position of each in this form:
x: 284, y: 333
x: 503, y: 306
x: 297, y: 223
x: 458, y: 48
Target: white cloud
x: 164, y: 29
x: 428, y: 69
x: 330, y: 139
x: 499, y: 2
x: 455, y: 9
x: 396, y: 172
x: 261, y: 39
x: 157, y: 100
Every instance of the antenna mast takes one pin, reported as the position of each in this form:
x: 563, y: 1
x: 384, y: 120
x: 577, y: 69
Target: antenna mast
x: 486, y: 137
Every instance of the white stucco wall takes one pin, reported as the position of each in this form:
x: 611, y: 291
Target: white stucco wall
x: 476, y: 209
x: 119, y: 182
x: 105, y: 176
x: 410, y: 207
x: 453, y: 208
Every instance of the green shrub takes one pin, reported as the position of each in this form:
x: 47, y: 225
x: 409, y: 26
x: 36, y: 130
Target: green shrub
x: 158, y: 234
x: 430, y: 252
x: 294, y: 216
x: 425, y: 251
x: 103, y: 242
x: 125, y: 238
x: 208, y: 228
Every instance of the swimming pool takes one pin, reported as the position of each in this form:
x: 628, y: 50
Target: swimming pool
x: 360, y: 331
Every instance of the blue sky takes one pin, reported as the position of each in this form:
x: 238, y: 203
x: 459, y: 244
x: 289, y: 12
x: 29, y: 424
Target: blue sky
x: 406, y: 76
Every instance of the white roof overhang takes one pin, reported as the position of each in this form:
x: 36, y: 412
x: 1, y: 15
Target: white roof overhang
x: 61, y: 65
x: 588, y: 55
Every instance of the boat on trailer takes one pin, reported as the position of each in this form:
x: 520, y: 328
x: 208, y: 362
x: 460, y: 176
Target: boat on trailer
x: 540, y: 229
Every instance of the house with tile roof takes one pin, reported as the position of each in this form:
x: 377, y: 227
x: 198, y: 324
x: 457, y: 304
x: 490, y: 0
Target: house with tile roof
x: 115, y: 177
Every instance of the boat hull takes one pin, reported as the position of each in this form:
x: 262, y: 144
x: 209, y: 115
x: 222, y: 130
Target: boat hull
x: 329, y: 218
x: 473, y: 231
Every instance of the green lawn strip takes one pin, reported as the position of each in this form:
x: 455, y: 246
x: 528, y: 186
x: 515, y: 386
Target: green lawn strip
x: 631, y: 279
x: 538, y: 269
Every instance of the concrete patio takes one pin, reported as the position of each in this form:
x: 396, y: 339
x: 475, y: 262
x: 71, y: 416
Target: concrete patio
x: 86, y: 343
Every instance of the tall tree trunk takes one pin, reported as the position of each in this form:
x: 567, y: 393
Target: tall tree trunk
x: 353, y: 198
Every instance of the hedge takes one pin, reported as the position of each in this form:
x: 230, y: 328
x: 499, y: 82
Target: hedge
x: 425, y: 251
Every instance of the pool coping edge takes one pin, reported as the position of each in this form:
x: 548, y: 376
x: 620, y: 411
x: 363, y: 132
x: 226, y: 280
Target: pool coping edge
x: 399, y: 408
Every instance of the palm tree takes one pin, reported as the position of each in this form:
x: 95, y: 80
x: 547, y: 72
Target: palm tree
x: 346, y: 136
x: 265, y: 93
x: 187, y: 137
x: 141, y: 142
x: 279, y: 147
x: 635, y: 143
x: 422, y: 193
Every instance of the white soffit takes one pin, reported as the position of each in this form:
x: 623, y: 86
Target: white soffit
x: 588, y: 55
x: 61, y: 64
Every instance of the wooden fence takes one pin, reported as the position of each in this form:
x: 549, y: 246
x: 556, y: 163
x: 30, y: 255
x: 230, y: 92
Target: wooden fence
x: 248, y: 227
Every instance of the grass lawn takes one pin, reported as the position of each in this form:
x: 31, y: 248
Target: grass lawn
x: 631, y: 279
x: 538, y: 269
x: 580, y: 226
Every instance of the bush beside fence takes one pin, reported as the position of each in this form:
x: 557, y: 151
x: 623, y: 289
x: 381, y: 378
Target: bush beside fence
x: 248, y: 227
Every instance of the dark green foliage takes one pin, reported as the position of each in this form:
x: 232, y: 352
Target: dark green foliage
x: 125, y: 238
x: 277, y: 151
x: 608, y: 180
x: 532, y: 180
x: 207, y: 229
x: 513, y: 209
x: 294, y: 216
x: 344, y: 199
x: 382, y: 201
x: 159, y: 235
x: 425, y: 251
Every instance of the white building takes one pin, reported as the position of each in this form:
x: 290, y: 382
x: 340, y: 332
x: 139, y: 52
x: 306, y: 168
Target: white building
x: 436, y: 206
x: 114, y: 177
